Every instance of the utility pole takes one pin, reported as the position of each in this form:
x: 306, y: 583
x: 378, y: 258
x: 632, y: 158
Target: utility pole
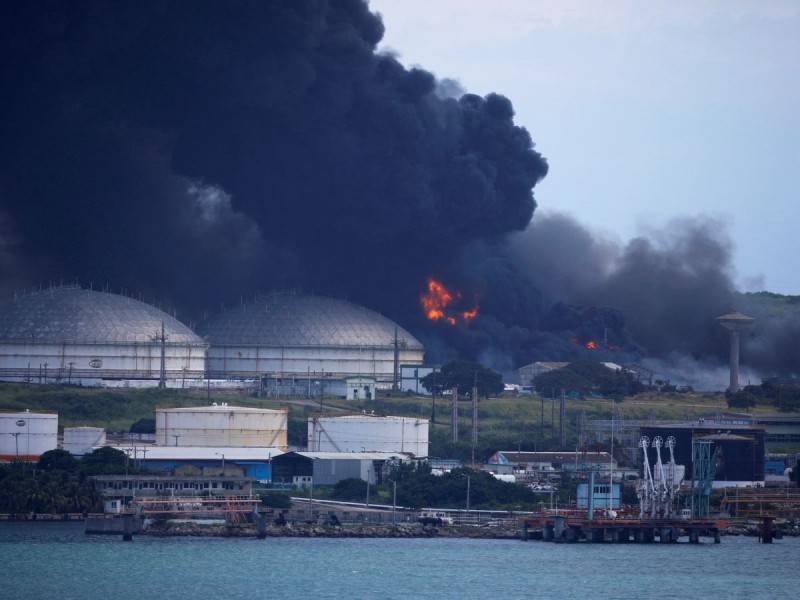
x: 396, y: 369
x: 474, y: 420
x: 454, y: 413
x: 562, y: 433
x: 162, y: 339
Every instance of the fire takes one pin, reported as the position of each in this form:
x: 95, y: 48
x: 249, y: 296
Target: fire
x: 470, y: 314
x: 438, y: 303
x: 591, y: 345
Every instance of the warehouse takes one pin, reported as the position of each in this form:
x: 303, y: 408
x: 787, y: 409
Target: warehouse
x: 302, y: 344
x: 304, y: 469
x: 72, y: 335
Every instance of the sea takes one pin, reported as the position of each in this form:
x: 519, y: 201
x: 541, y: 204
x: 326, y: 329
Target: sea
x: 55, y: 561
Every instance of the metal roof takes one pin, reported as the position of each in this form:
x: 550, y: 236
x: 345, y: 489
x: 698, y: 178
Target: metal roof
x: 148, y: 452
x: 75, y: 315
x: 291, y: 319
x: 351, y: 455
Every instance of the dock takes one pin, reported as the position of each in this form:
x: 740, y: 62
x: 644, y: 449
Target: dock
x: 572, y: 528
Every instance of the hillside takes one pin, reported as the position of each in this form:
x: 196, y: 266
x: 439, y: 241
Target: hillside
x: 525, y: 422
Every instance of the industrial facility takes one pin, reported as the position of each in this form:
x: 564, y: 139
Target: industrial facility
x: 369, y: 433
x: 72, y: 335
x: 307, y: 345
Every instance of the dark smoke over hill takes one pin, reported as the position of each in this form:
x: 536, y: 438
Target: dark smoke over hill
x: 203, y: 150
x: 199, y: 151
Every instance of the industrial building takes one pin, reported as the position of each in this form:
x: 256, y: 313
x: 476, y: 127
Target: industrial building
x: 27, y: 435
x: 73, y: 335
x: 737, y: 450
x: 304, y: 345
x: 222, y: 425
x: 369, y: 433
x: 304, y: 469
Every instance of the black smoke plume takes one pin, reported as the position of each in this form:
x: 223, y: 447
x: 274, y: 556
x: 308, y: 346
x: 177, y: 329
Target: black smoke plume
x: 203, y: 150
x: 199, y: 151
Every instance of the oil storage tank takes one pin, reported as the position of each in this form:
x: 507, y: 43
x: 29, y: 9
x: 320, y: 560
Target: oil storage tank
x: 220, y: 425
x: 27, y: 435
x: 301, y: 338
x: 69, y: 334
x: 82, y: 440
x: 368, y: 433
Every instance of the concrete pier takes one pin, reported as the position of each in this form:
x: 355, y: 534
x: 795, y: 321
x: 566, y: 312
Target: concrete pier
x: 572, y: 529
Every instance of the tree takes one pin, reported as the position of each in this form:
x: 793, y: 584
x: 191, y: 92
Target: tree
x: 465, y: 374
x: 742, y: 399
x: 350, y: 490
x: 105, y: 460
x: 144, y: 426
x: 275, y: 499
x: 58, y: 460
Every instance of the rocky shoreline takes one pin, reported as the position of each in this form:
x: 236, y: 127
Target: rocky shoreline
x: 405, y: 530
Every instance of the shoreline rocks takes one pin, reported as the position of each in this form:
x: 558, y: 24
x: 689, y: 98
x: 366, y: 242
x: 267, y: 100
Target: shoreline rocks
x: 404, y: 530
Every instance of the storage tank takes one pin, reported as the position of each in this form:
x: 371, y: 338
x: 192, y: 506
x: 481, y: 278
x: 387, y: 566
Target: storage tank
x: 27, y: 435
x: 221, y: 425
x: 368, y: 433
x: 68, y: 334
x: 82, y: 440
x: 295, y: 339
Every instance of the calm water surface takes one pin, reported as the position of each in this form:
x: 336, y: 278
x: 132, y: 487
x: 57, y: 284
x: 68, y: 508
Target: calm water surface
x: 58, y: 561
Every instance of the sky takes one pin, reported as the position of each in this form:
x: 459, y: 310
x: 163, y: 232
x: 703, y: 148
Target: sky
x: 645, y: 112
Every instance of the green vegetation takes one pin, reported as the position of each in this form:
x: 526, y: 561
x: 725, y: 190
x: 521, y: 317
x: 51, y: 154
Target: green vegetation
x: 464, y: 374
x: 586, y: 378
x: 784, y: 398
x: 418, y: 488
x: 59, y: 483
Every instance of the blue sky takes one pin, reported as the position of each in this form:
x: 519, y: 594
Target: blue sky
x: 646, y: 111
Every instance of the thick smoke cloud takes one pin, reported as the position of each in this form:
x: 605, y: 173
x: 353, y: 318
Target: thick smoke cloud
x: 201, y: 151
x: 341, y: 171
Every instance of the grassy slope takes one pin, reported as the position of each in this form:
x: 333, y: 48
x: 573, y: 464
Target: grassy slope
x: 502, y: 421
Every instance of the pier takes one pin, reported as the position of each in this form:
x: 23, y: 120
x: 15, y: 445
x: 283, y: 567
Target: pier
x: 571, y: 528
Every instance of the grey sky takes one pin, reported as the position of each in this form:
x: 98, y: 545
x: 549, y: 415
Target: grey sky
x: 646, y: 111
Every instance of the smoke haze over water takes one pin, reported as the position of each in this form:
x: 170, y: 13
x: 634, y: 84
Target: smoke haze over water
x: 198, y: 152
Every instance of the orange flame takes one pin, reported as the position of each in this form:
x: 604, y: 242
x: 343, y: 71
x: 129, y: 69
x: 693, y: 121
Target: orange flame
x: 437, y: 304
x: 591, y: 345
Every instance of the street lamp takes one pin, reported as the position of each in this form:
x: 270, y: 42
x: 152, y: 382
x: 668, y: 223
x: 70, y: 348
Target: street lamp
x: 223, y: 461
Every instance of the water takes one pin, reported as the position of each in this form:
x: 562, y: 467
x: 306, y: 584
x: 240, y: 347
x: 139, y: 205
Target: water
x: 57, y: 560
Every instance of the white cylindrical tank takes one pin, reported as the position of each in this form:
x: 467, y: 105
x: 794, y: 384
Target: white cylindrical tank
x: 368, y: 433
x: 507, y: 477
x: 82, y: 440
x: 27, y: 435
x: 222, y: 425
